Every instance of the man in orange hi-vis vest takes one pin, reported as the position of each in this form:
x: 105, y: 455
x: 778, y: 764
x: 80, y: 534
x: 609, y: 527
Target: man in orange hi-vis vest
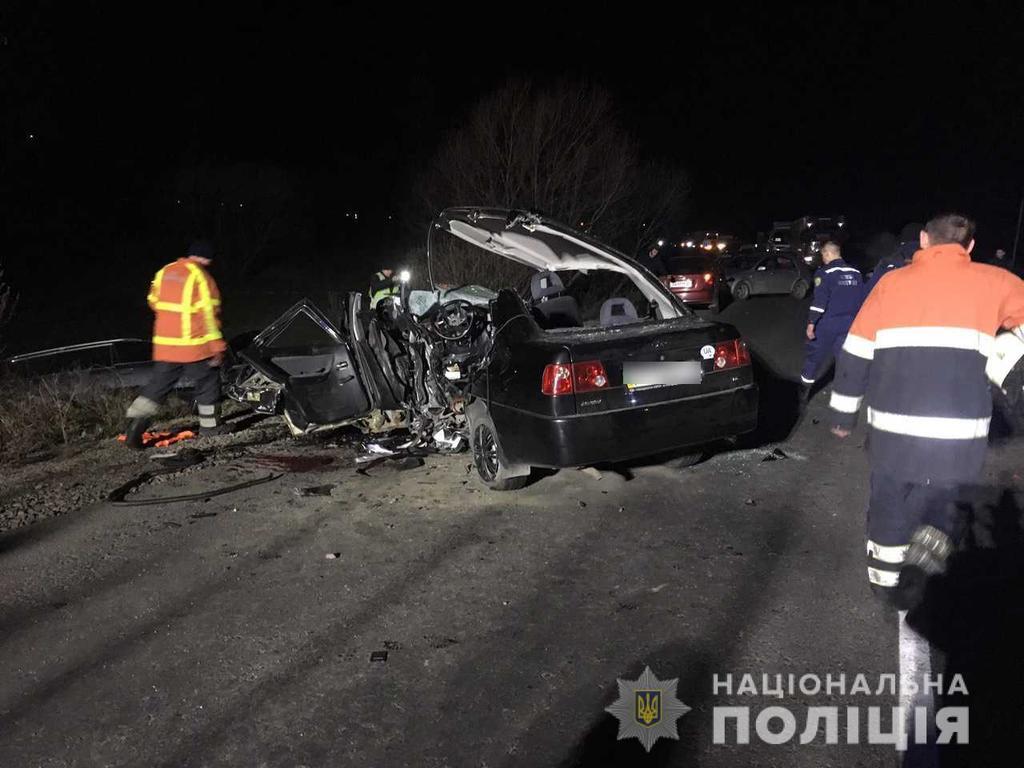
x: 187, y: 341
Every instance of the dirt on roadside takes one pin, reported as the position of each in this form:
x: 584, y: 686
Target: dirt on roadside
x: 86, y: 474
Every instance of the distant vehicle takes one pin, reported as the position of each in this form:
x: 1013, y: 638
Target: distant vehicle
x: 716, y: 243
x: 771, y: 273
x: 805, y: 236
x: 693, y: 279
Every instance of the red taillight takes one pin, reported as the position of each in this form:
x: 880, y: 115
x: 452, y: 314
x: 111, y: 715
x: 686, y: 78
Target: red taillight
x: 589, y: 376
x: 557, y: 380
x: 564, y: 379
x: 742, y: 352
x: 709, y: 278
x: 731, y: 354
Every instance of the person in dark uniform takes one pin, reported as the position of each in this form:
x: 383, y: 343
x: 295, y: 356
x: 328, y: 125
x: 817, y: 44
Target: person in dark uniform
x: 838, y: 292
x: 902, y: 255
x: 653, y: 261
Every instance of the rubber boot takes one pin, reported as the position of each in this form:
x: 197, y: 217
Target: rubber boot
x: 210, y: 424
x: 927, y: 554
x: 136, y: 428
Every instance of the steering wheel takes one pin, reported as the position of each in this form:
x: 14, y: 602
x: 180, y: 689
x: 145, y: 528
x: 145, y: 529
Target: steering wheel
x: 454, y: 319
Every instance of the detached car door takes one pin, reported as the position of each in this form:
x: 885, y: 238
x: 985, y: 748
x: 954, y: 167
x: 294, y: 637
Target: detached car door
x: 304, y: 352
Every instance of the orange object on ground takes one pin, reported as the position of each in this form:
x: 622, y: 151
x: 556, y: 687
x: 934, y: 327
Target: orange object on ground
x: 186, y: 301
x: 162, y: 439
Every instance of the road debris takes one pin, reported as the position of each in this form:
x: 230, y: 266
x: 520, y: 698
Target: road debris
x: 314, y: 490
x: 378, y: 657
x: 162, y: 439
x: 449, y: 440
x: 332, y: 556
x: 775, y: 455
x: 592, y: 472
x: 291, y: 463
x: 117, y: 496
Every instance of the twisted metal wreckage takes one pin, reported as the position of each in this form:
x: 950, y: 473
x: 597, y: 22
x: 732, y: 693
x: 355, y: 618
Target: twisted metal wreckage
x: 538, y: 380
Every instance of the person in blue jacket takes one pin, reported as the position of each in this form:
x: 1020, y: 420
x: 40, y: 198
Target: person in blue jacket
x: 902, y: 255
x: 838, y: 293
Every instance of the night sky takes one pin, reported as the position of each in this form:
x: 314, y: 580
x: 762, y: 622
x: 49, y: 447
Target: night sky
x: 879, y: 113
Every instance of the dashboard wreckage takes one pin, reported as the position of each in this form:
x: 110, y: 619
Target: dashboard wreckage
x: 558, y: 375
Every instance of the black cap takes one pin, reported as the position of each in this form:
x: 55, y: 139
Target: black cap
x: 203, y: 248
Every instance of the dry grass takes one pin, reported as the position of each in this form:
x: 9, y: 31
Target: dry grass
x: 37, y: 415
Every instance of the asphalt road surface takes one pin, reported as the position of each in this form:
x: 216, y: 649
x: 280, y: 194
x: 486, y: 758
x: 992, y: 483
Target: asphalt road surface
x: 240, y: 631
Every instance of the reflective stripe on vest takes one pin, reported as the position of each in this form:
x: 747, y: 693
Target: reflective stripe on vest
x: 187, y: 309
x: 205, y: 300
x: 154, y: 290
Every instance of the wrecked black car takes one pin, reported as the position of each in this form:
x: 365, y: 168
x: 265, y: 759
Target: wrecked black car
x: 587, y: 359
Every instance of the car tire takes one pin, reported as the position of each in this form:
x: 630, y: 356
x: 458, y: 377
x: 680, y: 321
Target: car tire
x: 490, y: 464
x: 799, y: 289
x: 741, y: 291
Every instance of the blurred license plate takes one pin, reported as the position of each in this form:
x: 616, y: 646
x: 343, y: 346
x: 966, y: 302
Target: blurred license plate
x: 644, y: 375
x: 687, y: 283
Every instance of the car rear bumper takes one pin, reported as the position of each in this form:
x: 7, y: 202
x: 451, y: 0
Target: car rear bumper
x: 575, y: 441
x: 702, y: 296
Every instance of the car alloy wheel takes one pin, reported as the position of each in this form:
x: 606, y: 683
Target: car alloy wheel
x: 799, y: 289
x: 485, y: 453
x: 741, y: 292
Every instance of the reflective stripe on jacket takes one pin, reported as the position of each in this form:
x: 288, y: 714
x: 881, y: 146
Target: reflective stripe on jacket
x: 838, y: 292
x: 186, y: 302
x: 915, y: 356
x: 381, y: 287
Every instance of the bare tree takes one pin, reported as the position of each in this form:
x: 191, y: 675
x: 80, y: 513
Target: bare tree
x: 559, y: 151
x: 243, y: 207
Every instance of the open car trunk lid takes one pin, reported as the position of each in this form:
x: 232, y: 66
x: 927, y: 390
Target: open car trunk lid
x: 546, y: 245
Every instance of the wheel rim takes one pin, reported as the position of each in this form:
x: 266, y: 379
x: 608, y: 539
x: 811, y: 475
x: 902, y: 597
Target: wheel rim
x: 486, y: 453
x: 742, y: 290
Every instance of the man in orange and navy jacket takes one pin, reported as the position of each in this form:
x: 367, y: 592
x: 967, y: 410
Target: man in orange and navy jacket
x: 187, y: 341
x: 916, y: 356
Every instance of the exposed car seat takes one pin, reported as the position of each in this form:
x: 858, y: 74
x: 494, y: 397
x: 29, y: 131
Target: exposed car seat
x: 618, y: 311
x: 558, y: 311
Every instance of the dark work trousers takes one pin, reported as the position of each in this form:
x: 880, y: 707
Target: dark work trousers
x: 205, y: 377
x: 895, y: 510
x: 829, y: 335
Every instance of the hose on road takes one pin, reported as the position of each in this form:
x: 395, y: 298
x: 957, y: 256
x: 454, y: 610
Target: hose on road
x: 117, y: 496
